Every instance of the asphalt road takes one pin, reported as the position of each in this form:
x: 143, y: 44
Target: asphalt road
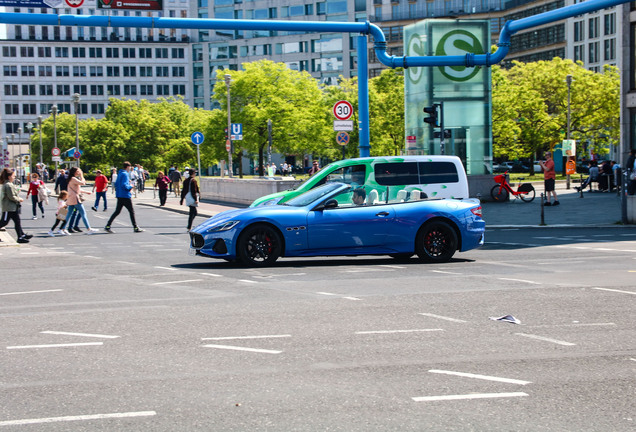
x: 127, y: 331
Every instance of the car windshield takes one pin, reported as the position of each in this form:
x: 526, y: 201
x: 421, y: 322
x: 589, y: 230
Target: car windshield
x: 313, y: 195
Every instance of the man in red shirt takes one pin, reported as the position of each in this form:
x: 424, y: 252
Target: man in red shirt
x: 549, y: 177
x: 100, y: 187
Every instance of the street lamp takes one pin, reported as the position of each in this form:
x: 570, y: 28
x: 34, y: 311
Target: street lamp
x: 40, y: 130
x: 228, y: 79
x: 76, y: 100
x: 12, y: 142
x: 29, y: 126
x: 568, y: 80
x: 54, y: 112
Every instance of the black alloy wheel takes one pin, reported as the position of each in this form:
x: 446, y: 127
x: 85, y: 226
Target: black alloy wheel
x: 436, y: 242
x: 259, y: 245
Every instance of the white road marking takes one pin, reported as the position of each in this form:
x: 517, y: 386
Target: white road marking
x: 211, y: 274
x: 165, y: 268
x: 177, y: 282
x: 126, y: 262
x: 397, y: 331
x: 237, y: 348
x: 55, y: 345
x: 520, y: 280
x: 351, y: 298
x: 77, y: 418
x: 365, y: 270
x: 30, y: 253
x: 91, y: 256
x: 99, y: 216
x: 561, y: 262
x: 326, y: 293
x: 248, y: 337
x: 615, y: 290
x: 482, y: 377
x: 545, y: 339
x: 468, y: 396
x: 573, y: 325
x: 79, y: 334
x: 632, y: 359
x: 392, y: 266
x: 445, y: 272
x: 56, y: 248
x: 30, y: 292
x: 442, y: 317
x: 247, y: 281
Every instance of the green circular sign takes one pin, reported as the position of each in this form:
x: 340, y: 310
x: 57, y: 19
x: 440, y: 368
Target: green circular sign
x: 459, y: 42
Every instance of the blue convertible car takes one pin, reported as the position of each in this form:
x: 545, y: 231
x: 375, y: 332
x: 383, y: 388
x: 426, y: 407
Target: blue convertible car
x: 338, y: 219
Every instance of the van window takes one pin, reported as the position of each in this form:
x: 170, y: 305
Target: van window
x: 394, y: 174
x: 351, y: 175
x: 438, y: 172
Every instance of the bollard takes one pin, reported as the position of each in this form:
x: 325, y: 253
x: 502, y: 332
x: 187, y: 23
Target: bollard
x: 581, y: 187
x: 542, y: 213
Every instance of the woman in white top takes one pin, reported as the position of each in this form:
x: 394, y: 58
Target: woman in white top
x: 73, y: 202
x: 113, y: 179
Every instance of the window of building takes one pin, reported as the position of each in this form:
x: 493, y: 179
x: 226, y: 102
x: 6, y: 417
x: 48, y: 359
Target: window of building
x: 609, y: 27
x: 178, y: 71
x: 81, y: 89
x: 45, y: 33
x: 579, y: 53
x: 97, y: 108
x: 145, y: 90
x: 62, y: 71
x: 178, y: 89
x: 112, y: 52
x: 178, y: 53
x: 45, y: 71
x: 145, y: 71
x: 46, y: 89
x: 9, y: 51
x: 130, y: 71
x: 161, y: 52
x: 18, y: 32
x: 321, y: 8
x: 44, y: 51
x: 112, y: 71
x: 11, y: 109
x: 97, y: 90
x: 97, y: 71
x: 79, y: 71
x: 592, y: 28
x: 45, y: 108
x: 28, y: 71
x: 11, y: 90
x: 130, y: 90
x: 337, y: 7
x: 12, y: 128
x: 28, y: 90
x: 163, y: 90
x: 64, y: 107
x: 61, y: 52
x: 95, y: 53
x: 592, y: 52
x: 610, y: 49
x: 579, y: 31
x: 128, y: 52
x: 113, y: 90
x: 162, y: 71
x: 145, y: 52
x: 10, y: 70
x: 378, y: 13
x: 27, y: 52
x: 79, y: 52
x: 63, y: 90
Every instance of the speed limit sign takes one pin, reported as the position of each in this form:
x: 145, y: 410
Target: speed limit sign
x: 55, y: 151
x: 342, y: 110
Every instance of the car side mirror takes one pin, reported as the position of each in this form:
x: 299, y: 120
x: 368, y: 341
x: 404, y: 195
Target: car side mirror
x: 329, y: 204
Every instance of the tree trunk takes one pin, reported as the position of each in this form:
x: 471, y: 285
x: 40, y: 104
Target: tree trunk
x: 261, y: 171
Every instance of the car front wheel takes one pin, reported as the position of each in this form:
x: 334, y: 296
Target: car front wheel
x: 436, y: 242
x: 259, y: 246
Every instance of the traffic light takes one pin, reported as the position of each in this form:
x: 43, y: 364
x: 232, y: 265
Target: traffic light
x: 226, y: 137
x: 432, y: 115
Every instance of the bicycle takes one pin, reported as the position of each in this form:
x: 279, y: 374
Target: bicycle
x: 503, y: 189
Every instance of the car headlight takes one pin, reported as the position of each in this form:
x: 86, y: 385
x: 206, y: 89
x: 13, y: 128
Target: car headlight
x: 223, y: 227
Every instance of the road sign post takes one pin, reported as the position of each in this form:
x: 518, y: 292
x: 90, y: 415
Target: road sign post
x: 197, y: 138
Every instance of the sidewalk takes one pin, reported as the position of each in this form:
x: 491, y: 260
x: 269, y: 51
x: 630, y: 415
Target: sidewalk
x: 593, y: 210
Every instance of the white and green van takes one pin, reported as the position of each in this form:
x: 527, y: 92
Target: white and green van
x: 392, y: 177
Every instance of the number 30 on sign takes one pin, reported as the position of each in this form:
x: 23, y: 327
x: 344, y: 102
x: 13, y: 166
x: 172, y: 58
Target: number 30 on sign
x: 342, y: 110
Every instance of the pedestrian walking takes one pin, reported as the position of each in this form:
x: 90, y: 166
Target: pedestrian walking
x: 175, y: 177
x: 113, y: 179
x: 100, y: 187
x: 630, y: 166
x: 170, y: 170
x: 61, y: 182
x: 34, y: 187
x: 60, y: 214
x: 162, y: 183
x: 11, y: 203
x: 190, y: 194
x: 124, y: 198
x: 549, y: 178
x: 74, y: 200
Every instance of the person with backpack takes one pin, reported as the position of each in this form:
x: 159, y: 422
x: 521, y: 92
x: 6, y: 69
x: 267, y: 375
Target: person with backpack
x: 190, y: 194
x: 175, y: 178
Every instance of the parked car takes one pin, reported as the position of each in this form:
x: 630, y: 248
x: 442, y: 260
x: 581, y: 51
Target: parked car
x: 537, y: 167
x: 333, y: 219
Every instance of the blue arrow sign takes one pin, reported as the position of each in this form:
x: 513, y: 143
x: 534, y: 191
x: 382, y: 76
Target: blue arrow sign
x: 197, y: 138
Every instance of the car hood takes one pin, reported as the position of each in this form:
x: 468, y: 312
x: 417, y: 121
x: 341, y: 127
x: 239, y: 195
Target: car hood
x: 241, y: 214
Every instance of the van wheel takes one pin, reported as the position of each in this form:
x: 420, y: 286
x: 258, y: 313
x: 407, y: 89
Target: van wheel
x: 436, y: 242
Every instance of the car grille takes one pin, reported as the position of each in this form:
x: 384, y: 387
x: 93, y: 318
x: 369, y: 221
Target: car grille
x: 196, y: 240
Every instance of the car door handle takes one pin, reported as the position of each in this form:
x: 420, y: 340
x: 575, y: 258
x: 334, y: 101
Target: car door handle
x: 382, y: 213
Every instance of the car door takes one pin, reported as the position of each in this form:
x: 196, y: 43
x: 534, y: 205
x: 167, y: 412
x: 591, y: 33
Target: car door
x: 349, y: 228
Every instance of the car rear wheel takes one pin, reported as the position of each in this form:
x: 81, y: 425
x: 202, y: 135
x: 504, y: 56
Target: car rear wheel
x: 436, y: 242
x: 259, y: 246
